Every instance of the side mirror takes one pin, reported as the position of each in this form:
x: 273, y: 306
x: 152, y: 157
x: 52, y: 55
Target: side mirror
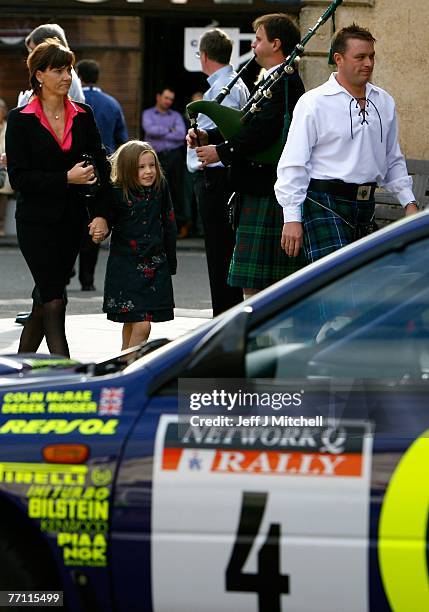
x: 221, y: 353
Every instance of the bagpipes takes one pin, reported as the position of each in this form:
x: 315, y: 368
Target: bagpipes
x: 231, y: 120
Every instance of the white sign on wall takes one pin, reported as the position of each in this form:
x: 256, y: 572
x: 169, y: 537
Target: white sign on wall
x: 192, y: 37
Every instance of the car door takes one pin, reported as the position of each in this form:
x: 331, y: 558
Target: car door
x: 287, y: 517
x: 359, y: 347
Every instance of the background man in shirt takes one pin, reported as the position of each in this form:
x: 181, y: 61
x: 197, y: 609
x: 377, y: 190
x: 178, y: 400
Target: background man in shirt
x: 258, y: 260
x: 165, y: 130
x: 211, y: 183
x: 108, y: 112
x: 342, y: 143
x: 110, y: 120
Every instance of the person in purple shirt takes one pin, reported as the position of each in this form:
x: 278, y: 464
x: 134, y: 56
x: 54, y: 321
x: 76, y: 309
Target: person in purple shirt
x: 165, y: 130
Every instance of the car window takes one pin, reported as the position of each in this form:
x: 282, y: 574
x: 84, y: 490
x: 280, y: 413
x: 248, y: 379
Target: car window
x: 371, y: 323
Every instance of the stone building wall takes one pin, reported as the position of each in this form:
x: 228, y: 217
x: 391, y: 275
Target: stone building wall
x: 402, y: 52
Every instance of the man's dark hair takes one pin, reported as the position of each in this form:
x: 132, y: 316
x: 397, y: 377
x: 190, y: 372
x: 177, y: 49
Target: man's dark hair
x: 163, y: 88
x: 341, y: 37
x: 279, y: 25
x: 217, y: 45
x: 88, y: 70
x: 44, y: 31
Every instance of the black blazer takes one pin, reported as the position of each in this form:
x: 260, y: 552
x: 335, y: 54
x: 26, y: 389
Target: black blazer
x: 37, y: 167
x: 264, y: 128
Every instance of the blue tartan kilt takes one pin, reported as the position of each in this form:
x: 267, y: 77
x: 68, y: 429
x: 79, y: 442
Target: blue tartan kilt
x: 258, y: 259
x: 330, y: 222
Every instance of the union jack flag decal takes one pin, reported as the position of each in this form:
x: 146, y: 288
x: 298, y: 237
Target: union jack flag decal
x: 111, y: 399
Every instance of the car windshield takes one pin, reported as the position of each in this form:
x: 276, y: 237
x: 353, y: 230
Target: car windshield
x: 371, y: 319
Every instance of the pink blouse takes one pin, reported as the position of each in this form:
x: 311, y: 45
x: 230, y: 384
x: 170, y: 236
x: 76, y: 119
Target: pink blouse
x: 71, y: 110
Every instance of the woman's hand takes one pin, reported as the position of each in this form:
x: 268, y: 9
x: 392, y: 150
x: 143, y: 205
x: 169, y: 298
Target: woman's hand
x: 98, y: 229
x: 81, y: 174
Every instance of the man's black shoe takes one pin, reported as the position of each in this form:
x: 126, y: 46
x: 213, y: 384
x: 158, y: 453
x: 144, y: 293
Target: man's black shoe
x: 88, y: 288
x: 21, y: 317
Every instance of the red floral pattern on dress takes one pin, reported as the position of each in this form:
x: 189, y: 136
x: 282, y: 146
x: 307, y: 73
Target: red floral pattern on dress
x: 133, y: 244
x: 149, y: 272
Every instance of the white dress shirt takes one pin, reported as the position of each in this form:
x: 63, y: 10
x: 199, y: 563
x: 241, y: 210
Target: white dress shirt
x: 331, y: 138
x: 237, y: 98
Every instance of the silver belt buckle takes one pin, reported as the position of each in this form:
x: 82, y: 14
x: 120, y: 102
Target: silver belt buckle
x: 363, y: 193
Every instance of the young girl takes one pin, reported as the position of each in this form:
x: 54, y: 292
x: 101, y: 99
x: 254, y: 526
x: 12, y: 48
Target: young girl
x: 142, y: 258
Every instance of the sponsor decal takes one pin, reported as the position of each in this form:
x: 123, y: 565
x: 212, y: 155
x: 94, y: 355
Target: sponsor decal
x: 111, y: 400
x: 69, y: 500
x: 328, y: 451
x: 68, y: 508
x: 37, y: 364
x: 44, y: 474
x: 80, y: 401
x: 49, y: 402
x: 85, y: 427
x: 101, y: 476
x: 83, y: 549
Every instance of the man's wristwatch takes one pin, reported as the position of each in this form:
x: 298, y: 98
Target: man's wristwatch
x: 416, y: 204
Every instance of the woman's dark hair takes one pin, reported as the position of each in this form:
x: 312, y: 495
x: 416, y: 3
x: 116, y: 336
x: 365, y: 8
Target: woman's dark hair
x: 49, y: 54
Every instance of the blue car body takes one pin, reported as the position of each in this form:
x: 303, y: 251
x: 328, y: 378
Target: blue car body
x: 110, y: 524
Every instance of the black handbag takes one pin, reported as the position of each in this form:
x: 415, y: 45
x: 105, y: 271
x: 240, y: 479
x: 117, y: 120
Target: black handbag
x: 89, y: 191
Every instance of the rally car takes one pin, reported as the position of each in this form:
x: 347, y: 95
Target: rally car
x: 120, y: 488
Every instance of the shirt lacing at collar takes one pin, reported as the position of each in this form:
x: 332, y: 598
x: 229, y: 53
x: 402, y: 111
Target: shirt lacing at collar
x: 364, y: 112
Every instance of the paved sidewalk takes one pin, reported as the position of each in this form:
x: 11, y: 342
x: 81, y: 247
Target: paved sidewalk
x: 186, y: 244
x: 94, y: 338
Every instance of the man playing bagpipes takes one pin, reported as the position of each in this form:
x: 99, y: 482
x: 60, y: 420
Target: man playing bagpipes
x: 258, y: 259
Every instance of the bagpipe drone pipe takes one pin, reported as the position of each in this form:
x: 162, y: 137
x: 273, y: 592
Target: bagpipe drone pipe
x: 231, y: 120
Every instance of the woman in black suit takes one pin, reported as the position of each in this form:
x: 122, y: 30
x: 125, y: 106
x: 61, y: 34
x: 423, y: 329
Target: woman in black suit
x: 45, y: 144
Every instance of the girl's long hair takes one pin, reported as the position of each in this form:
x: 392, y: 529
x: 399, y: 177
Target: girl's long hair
x: 125, y: 166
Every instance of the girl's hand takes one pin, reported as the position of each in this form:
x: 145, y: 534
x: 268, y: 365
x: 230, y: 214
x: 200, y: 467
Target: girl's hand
x: 98, y: 229
x: 81, y: 175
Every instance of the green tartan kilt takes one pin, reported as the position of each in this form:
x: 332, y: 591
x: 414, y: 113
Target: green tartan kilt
x: 330, y: 222
x: 258, y: 259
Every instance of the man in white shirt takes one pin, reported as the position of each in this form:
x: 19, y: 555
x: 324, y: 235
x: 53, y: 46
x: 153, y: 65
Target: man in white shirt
x: 211, y: 186
x: 342, y: 143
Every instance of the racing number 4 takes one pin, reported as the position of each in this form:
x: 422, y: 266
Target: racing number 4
x: 268, y: 583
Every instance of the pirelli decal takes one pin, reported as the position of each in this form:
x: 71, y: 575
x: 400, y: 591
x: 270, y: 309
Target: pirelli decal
x: 332, y: 451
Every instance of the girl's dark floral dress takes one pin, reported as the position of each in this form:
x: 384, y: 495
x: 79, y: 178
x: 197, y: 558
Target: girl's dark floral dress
x: 142, y: 257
